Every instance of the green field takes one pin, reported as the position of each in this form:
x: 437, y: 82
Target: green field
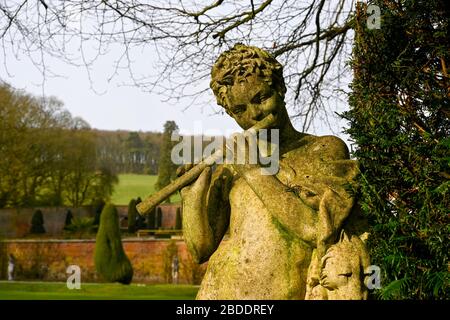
x: 133, y: 186
x: 94, y: 291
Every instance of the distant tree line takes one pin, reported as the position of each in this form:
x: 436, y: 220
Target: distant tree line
x: 128, y: 151
x: 47, y: 157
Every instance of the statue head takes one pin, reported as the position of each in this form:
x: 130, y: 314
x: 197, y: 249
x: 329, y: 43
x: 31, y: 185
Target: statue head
x: 248, y: 82
x: 343, y: 269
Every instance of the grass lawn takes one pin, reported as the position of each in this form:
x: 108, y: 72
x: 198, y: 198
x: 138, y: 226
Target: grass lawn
x: 94, y: 291
x: 133, y: 186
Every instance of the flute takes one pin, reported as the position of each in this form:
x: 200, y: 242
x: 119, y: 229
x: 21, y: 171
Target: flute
x: 153, y: 200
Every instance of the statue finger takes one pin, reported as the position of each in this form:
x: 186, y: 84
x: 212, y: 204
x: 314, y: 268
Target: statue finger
x: 183, y: 169
x: 202, y: 182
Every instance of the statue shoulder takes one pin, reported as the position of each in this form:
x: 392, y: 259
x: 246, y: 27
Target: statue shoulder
x: 328, y: 147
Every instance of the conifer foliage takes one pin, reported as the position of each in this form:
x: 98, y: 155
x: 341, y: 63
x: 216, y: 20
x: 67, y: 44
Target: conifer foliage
x: 37, y: 223
x: 111, y: 261
x: 132, y: 215
x: 166, y: 170
x: 400, y: 121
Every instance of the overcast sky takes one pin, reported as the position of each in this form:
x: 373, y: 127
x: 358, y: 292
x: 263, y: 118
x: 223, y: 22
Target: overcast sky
x: 111, y: 105
x: 108, y: 105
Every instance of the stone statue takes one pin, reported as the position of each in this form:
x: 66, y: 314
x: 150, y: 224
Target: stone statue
x: 342, y: 271
x: 11, y: 267
x: 175, y: 267
x: 285, y: 230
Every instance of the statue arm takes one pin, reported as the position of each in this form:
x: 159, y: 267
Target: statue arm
x: 296, y: 211
x: 206, y: 212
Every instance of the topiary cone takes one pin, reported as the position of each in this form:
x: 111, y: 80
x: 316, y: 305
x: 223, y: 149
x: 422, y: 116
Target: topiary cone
x: 111, y: 262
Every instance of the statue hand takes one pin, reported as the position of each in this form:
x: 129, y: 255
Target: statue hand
x: 242, y: 150
x: 183, y: 169
x: 197, y: 190
x: 221, y: 183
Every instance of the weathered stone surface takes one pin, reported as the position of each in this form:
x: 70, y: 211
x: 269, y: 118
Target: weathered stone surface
x: 284, y: 229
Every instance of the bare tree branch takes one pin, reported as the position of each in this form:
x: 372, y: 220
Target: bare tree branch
x: 310, y: 38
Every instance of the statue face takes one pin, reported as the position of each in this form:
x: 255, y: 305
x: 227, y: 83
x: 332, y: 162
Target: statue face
x: 251, y: 100
x: 336, y: 273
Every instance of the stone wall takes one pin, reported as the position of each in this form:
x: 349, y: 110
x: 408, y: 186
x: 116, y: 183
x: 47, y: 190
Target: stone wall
x: 48, y: 260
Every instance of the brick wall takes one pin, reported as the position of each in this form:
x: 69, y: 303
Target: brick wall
x: 48, y: 259
x: 169, y: 214
x: 16, y: 222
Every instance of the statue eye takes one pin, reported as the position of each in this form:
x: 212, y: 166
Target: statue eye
x: 238, y: 109
x: 347, y: 274
x: 256, y: 99
x: 260, y: 97
x: 264, y: 97
x: 310, y: 193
